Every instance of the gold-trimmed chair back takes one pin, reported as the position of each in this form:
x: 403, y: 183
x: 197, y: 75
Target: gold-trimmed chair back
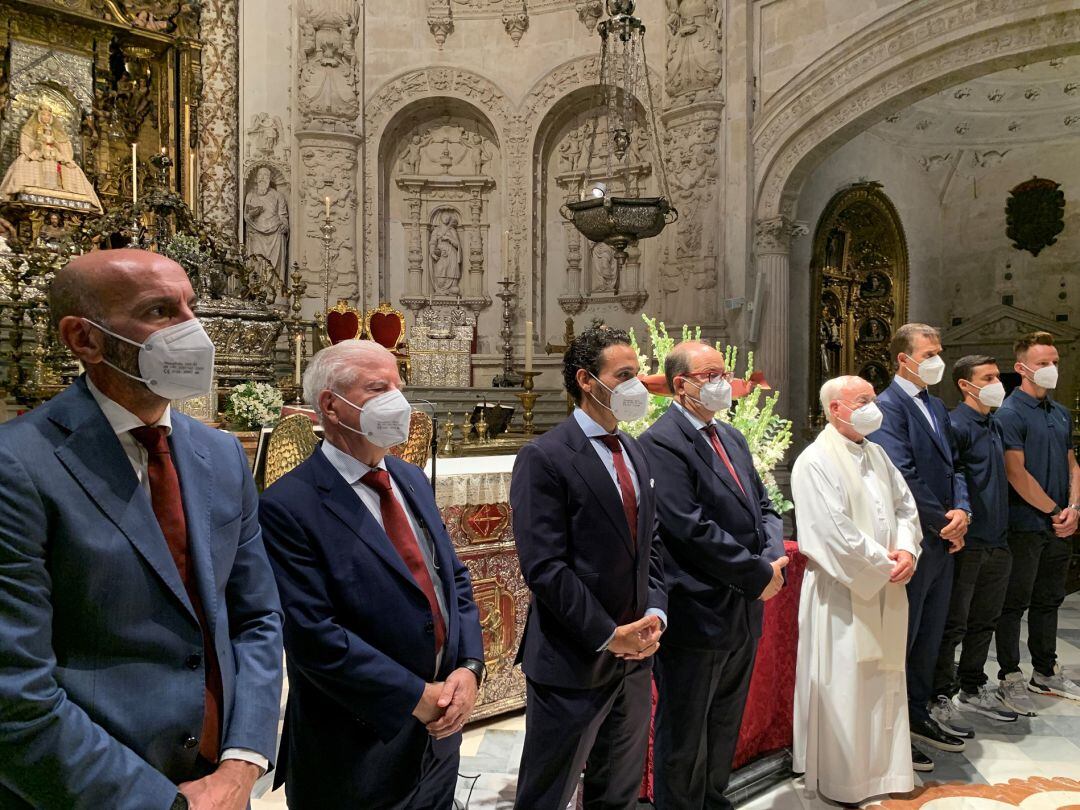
x: 291, y: 441
x: 416, y: 448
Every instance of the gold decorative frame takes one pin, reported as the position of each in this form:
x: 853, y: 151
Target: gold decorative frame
x: 386, y: 308
x: 292, y: 440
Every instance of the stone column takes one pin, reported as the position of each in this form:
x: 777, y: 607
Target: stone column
x: 772, y: 251
x: 218, y: 112
x: 475, y: 286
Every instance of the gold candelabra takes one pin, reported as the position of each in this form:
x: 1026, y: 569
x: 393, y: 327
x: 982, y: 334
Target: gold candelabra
x: 528, y: 400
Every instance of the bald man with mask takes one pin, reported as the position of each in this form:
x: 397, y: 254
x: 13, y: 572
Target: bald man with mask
x: 138, y: 613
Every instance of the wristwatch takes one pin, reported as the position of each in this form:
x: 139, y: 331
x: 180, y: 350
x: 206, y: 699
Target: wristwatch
x: 477, y: 668
x: 180, y: 802
x: 970, y: 517
x: 1055, y: 511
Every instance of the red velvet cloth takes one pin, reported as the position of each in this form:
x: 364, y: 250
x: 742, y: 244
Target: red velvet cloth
x: 767, y: 720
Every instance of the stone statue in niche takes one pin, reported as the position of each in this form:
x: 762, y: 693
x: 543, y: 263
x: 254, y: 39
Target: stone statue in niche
x: 445, y: 252
x: 265, y: 133
x: 481, y: 155
x: 693, y: 54
x: 570, y: 150
x: 409, y: 162
x: 266, y: 215
x: 604, y: 268
x: 45, y: 165
x: 327, y: 86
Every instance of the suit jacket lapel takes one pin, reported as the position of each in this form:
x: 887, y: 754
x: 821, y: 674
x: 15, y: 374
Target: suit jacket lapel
x: 94, y: 457
x: 711, y: 460
x: 196, y: 475
x: 596, y: 477
x: 915, y: 412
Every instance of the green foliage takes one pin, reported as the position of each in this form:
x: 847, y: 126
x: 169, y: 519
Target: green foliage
x: 753, y: 415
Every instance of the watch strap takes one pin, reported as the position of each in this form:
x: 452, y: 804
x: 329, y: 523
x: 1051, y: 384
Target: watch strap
x: 477, y: 668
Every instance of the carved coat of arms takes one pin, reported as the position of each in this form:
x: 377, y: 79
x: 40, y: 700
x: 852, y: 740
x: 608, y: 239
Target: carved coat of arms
x: 1035, y: 214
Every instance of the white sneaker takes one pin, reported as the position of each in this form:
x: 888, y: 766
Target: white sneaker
x: 1057, y: 685
x: 1012, y: 692
x: 946, y: 715
x: 986, y: 703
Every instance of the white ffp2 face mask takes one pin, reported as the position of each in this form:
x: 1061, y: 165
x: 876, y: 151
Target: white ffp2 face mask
x: 866, y: 418
x: 714, y: 396
x: 991, y: 395
x: 1045, y: 376
x: 176, y: 362
x: 384, y: 419
x: 931, y: 370
x: 629, y: 399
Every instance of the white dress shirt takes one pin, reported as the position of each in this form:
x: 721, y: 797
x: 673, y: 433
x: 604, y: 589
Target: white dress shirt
x: 912, y: 390
x: 353, y: 470
x: 123, y: 421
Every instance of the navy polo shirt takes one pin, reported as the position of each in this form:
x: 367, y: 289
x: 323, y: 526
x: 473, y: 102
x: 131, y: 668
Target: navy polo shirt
x: 1039, y: 427
x: 981, y: 455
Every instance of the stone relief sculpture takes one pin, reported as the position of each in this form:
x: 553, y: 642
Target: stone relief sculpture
x: 445, y: 252
x: 266, y: 215
x: 46, y: 167
x: 327, y: 85
x: 479, y: 151
x: 264, y: 134
x: 444, y: 149
x: 693, y: 57
x: 603, y: 267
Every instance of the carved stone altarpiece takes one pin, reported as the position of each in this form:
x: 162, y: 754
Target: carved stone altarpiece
x: 440, y: 343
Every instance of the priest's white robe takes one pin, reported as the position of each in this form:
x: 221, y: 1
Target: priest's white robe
x: 851, y: 735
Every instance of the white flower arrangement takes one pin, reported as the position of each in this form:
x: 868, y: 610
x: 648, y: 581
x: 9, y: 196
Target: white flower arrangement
x: 767, y: 433
x: 253, y: 405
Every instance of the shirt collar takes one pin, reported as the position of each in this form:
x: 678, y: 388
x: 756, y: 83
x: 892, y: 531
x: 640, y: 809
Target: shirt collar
x: 907, y: 386
x: 970, y: 413
x: 693, y: 420
x: 349, y: 467
x: 591, y: 428
x: 121, y: 420
x: 1024, y: 398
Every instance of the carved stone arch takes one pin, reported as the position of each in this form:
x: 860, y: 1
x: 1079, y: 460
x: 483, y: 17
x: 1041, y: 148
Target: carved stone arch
x: 384, y: 110
x: 914, y: 52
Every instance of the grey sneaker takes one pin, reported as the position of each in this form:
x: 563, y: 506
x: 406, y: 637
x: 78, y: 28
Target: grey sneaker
x: 1012, y: 691
x: 986, y: 703
x: 947, y: 716
x: 1057, y: 685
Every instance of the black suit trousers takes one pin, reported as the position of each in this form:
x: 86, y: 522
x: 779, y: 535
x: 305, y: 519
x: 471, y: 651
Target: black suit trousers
x: 604, y: 731
x: 702, y: 694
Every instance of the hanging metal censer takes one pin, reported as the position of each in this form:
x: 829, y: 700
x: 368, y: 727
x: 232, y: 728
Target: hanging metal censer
x: 620, y: 221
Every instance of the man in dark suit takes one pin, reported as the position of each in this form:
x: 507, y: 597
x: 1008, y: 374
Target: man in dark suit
x: 917, y: 436
x: 383, y: 642
x: 139, y: 622
x: 585, y: 528
x: 723, y: 559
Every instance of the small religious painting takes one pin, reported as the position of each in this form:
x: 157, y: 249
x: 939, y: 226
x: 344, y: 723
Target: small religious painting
x: 876, y: 375
x: 873, y: 330
x: 1035, y: 214
x: 834, y: 249
x: 876, y: 285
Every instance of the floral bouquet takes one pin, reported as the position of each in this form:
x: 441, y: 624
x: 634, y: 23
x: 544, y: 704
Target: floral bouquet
x: 767, y: 433
x: 252, y: 405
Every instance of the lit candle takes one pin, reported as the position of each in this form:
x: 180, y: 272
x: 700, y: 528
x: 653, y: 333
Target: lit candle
x: 327, y: 201
x: 187, y: 121
x: 506, y: 254
x: 528, y: 345
x: 134, y: 173
x: 191, y: 181
x: 164, y: 151
x: 299, y: 339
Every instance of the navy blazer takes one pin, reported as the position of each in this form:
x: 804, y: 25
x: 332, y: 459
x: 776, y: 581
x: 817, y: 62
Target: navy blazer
x: 359, y: 633
x: 718, y: 543
x: 101, y: 683
x: 585, y: 572
x: 927, y: 459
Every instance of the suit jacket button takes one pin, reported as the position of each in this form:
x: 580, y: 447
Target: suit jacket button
x: 429, y: 627
x: 191, y: 742
x: 193, y: 661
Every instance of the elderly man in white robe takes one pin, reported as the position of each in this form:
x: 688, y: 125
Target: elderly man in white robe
x: 859, y: 529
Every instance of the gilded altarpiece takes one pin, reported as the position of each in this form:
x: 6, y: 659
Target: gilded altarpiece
x: 860, y: 289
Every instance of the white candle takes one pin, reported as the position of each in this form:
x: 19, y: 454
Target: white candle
x: 191, y: 180
x: 528, y: 346
x: 187, y: 122
x: 299, y: 339
x: 134, y: 173
x: 506, y: 254
x: 327, y: 201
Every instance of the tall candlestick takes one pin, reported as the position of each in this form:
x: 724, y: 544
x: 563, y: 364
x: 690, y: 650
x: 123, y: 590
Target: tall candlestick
x: 528, y: 346
x: 134, y: 173
x: 299, y: 340
x: 327, y: 201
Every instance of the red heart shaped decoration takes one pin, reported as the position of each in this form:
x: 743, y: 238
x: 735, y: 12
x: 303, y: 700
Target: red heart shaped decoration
x: 386, y: 329
x: 342, y: 326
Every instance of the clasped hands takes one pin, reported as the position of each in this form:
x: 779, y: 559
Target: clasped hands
x: 776, y: 584
x: 904, y: 569
x: 445, y: 706
x: 227, y: 788
x: 638, y: 640
x: 955, y: 529
x: 1065, y: 522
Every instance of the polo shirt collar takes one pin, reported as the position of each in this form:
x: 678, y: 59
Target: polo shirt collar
x: 1024, y: 398
x: 971, y: 413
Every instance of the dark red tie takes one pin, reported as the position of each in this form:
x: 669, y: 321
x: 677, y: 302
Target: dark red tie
x: 396, y: 524
x: 714, y: 440
x: 169, y: 510
x: 626, y: 483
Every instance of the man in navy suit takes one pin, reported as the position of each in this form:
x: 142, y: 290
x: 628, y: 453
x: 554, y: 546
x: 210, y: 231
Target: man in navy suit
x: 585, y: 527
x: 917, y: 436
x: 139, y: 622
x: 723, y: 559
x: 382, y: 638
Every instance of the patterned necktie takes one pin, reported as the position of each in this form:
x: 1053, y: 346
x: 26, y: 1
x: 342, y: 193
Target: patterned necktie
x: 396, y: 524
x: 626, y: 483
x: 169, y: 511
x: 924, y: 395
x: 714, y: 440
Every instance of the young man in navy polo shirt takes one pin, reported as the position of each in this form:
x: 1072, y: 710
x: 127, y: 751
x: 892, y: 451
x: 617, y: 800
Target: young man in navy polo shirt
x: 1044, y: 509
x: 981, y: 573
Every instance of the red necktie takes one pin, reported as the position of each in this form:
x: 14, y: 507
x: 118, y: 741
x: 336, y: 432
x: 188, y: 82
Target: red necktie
x: 626, y: 483
x: 714, y: 440
x: 169, y: 510
x: 396, y: 524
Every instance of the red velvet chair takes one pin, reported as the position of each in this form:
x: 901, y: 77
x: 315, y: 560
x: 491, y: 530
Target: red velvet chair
x: 343, y: 322
x: 386, y: 326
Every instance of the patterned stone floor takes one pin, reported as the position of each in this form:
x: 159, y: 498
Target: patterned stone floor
x: 1033, y: 763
